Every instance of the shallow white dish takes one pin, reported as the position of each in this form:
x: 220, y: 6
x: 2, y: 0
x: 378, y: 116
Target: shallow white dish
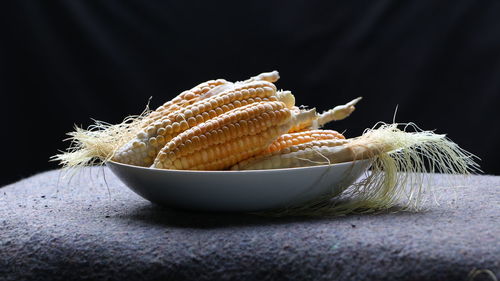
x: 254, y: 190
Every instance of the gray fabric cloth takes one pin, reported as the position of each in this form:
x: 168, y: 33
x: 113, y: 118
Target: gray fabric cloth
x: 52, y: 230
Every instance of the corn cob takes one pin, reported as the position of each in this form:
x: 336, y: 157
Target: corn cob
x: 291, y: 139
x: 227, y: 139
x: 202, y: 91
x: 185, y: 98
x: 142, y: 150
x: 291, y: 149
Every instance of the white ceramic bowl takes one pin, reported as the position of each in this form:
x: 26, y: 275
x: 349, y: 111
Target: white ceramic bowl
x: 254, y: 190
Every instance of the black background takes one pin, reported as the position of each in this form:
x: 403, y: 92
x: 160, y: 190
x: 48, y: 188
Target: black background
x: 64, y: 62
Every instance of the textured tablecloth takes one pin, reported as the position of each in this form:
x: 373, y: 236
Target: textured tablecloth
x: 52, y: 230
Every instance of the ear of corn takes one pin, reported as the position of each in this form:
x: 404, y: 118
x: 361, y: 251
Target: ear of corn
x: 387, y: 139
x: 203, y: 91
x: 293, y: 149
x: 186, y: 98
x: 291, y: 139
x: 226, y: 139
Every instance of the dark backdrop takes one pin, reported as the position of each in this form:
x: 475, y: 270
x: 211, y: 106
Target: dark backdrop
x: 64, y: 62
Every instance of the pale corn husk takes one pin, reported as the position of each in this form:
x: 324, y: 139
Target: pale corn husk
x: 98, y: 143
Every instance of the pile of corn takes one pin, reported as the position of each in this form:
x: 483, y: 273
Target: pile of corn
x: 221, y: 125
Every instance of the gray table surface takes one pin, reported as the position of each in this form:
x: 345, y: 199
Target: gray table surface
x: 52, y: 230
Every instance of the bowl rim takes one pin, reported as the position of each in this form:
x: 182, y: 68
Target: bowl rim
x: 238, y: 171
